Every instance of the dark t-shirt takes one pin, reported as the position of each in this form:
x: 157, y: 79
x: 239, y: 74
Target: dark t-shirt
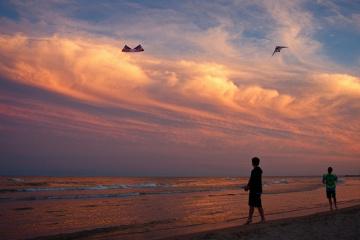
x: 255, y: 183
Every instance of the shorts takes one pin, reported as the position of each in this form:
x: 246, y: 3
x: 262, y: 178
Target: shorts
x: 255, y: 199
x: 330, y: 193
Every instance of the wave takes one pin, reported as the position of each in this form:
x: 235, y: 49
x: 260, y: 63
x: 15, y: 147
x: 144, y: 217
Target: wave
x: 212, y: 193
x: 96, y: 187
x: 277, y: 181
x: 281, y: 181
x: 89, y: 196
x: 231, y: 179
x: 80, y: 196
x: 106, y: 195
x: 121, y: 186
x: 16, y: 180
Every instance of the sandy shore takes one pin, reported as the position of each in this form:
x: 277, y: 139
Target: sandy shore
x: 342, y: 224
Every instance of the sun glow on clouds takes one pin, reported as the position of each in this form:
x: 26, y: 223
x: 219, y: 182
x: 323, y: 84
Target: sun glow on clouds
x: 340, y: 84
x: 73, y: 67
x: 217, y: 101
x: 98, y: 73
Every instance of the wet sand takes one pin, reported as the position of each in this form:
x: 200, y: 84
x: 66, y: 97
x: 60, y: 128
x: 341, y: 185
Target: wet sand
x: 341, y: 224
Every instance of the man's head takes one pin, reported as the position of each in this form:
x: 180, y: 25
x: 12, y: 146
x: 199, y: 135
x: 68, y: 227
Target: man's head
x: 255, y: 161
x: 329, y: 169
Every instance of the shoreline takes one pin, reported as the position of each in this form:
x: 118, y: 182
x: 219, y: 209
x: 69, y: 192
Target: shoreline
x: 331, y: 225
x: 342, y: 224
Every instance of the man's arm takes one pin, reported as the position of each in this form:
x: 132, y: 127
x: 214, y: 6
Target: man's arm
x: 323, y: 179
x: 247, y: 187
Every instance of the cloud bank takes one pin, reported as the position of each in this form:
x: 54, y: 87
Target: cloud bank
x: 203, y: 105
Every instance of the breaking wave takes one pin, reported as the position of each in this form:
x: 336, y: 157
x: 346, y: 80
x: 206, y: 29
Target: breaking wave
x: 280, y: 181
x: 97, y: 187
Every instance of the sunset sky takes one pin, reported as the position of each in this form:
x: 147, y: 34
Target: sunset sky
x: 204, y: 97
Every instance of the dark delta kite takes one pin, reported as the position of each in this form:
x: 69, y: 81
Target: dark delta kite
x: 278, y: 49
x: 139, y: 48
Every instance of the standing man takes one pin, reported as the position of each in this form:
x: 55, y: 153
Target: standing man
x: 330, y: 180
x: 255, y: 189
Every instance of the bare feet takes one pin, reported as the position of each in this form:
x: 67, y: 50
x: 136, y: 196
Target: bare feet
x: 248, y: 221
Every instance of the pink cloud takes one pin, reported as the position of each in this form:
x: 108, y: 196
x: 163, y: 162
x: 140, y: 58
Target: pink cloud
x: 195, y: 103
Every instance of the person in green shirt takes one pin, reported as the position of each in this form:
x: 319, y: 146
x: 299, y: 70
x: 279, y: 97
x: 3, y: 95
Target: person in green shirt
x: 330, y: 180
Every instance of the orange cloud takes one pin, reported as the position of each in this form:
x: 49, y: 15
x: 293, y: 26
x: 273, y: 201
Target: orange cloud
x: 73, y: 67
x: 339, y: 84
x: 197, y: 103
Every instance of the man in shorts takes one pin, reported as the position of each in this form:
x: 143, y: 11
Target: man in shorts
x: 255, y: 189
x: 330, y: 180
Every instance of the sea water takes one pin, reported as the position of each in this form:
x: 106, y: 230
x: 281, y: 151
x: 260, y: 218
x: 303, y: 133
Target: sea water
x: 151, y: 208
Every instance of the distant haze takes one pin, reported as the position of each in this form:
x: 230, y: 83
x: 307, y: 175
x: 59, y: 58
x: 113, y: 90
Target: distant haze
x: 202, y: 99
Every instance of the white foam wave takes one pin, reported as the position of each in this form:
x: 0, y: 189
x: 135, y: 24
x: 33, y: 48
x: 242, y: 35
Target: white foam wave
x: 89, y: 196
x: 96, y: 187
x: 280, y: 181
x: 16, y: 180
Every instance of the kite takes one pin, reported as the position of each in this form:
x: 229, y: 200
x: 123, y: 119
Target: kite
x: 139, y: 48
x: 278, y: 49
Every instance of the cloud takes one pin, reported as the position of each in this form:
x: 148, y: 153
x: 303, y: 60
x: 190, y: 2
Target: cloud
x: 340, y: 84
x: 76, y: 68
x: 199, y: 87
x: 97, y: 73
x: 212, y: 81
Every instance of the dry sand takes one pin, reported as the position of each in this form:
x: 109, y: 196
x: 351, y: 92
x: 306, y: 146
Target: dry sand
x: 343, y: 224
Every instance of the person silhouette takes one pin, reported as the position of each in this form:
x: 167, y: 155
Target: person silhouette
x: 330, y: 180
x: 254, y: 187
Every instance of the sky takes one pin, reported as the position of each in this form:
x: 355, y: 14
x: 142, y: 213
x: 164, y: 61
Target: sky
x: 202, y: 99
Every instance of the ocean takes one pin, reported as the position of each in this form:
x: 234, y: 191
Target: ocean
x: 151, y: 208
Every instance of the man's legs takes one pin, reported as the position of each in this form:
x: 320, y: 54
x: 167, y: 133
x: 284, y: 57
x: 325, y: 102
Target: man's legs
x: 329, y: 195
x: 261, y: 211
x: 334, y: 197
x: 330, y: 203
x: 251, y: 212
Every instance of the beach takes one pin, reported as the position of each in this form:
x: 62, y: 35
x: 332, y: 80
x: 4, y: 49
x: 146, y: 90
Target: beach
x: 157, y: 208
x: 341, y: 224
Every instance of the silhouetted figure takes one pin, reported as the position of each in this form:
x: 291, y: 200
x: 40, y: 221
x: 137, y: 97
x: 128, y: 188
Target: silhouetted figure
x: 330, y: 180
x: 255, y: 190
x: 138, y: 48
x: 278, y: 49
